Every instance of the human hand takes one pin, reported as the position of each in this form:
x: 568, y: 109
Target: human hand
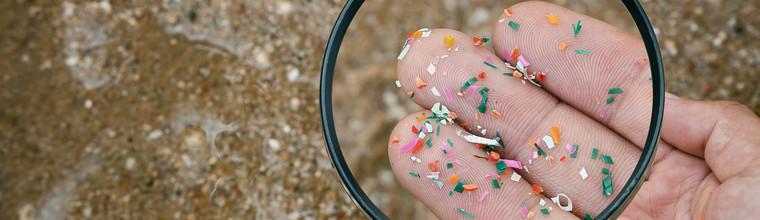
x: 702, y: 168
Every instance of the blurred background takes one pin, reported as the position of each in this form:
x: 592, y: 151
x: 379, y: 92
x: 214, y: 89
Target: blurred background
x: 209, y: 110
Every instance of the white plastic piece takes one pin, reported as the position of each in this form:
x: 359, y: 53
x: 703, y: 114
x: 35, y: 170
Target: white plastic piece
x: 583, y: 173
x: 568, y: 207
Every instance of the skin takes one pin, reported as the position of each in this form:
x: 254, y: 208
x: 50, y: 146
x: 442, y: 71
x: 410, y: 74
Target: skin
x: 703, y: 164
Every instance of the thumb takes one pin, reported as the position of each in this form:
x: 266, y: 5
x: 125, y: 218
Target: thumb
x: 724, y: 133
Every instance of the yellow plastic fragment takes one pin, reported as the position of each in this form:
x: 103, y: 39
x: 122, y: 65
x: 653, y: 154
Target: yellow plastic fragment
x: 448, y: 41
x: 517, y: 74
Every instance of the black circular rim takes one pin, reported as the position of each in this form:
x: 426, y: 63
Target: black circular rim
x: 361, y: 199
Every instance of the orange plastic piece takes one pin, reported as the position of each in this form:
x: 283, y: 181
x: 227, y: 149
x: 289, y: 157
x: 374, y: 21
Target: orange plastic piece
x: 417, y: 146
x: 537, y: 189
x: 508, y: 12
x: 515, y: 54
x: 470, y: 187
x: 420, y: 83
x: 448, y: 41
x: 482, y: 75
x: 415, y: 130
x: 432, y: 167
x: 541, y: 76
x: 562, y: 46
x: 496, y: 113
x: 477, y: 41
x: 416, y: 34
x: 421, y: 118
x: 555, y: 134
x: 552, y: 19
x: 453, y: 115
x: 453, y: 179
x: 493, y: 156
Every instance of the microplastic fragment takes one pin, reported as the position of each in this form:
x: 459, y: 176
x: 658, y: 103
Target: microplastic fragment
x: 415, y: 159
x: 408, y: 147
x: 414, y: 174
x: 568, y: 207
x: 569, y: 148
x: 577, y: 28
x: 513, y: 164
x: 468, y: 83
x: 575, y: 151
x: 583, y: 173
x: 404, y: 52
x: 524, y: 212
x: 607, y: 159
x: 419, y: 83
x: 479, y: 140
x: 610, y: 100
x: 515, y: 177
x: 615, y: 91
x: 523, y: 60
x: 583, y: 51
x: 453, y: 179
x: 555, y: 133
x: 489, y: 64
x: 515, y: 54
x: 540, y: 151
x: 459, y: 187
x: 594, y: 153
x: 433, y: 175
x: 552, y: 19
x: 501, y: 167
x: 484, y: 100
x: 607, y: 187
x: 429, y: 142
x: 438, y: 130
x: 606, y: 171
x: 398, y: 84
x: 438, y: 183
x: 537, y: 189
x: 562, y: 46
x: 448, y: 41
x: 426, y: 32
x: 514, y: 26
x: 449, y: 165
x: 549, y: 141
x: 466, y: 214
x: 495, y: 184
x: 431, y: 69
x: 587, y: 217
x: 499, y: 139
x: 483, y: 196
x: 508, y: 12
x: 470, y: 187
x: 545, y: 211
x: 541, y: 202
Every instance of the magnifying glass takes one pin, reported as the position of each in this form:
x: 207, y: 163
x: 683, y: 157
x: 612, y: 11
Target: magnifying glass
x: 501, y: 117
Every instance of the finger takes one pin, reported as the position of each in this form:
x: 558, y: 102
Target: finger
x: 615, y: 60
x: 526, y: 113
x: 438, y: 194
x: 724, y: 133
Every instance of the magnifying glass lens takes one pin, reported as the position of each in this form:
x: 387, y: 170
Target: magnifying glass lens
x: 492, y: 109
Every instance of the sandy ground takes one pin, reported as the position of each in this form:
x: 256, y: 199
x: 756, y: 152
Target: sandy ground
x: 208, y: 109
